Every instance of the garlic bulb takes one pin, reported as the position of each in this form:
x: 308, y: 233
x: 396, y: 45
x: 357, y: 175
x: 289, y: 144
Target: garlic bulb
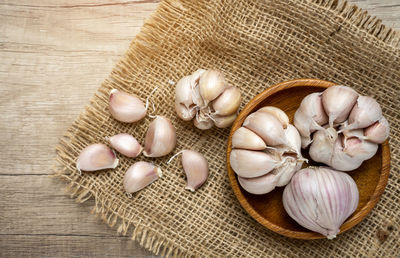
x: 125, y: 107
x: 126, y: 144
x: 160, y: 138
x: 342, y: 127
x: 96, y: 157
x: 140, y: 175
x: 321, y: 199
x: 207, y: 99
x: 195, y: 166
x: 266, y: 151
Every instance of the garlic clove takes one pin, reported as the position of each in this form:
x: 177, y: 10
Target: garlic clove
x: 267, y: 127
x: 342, y: 161
x: 312, y: 106
x: 305, y: 141
x: 126, y: 144
x: 184, y: 113
x: 360, y: 148
x: 160, y: 138
x: 194, y: 82
x: 96, y: 157
x: 321, y: 199
x: 293, y: 139
x: 228, y: 102
x: 285, y: 171
x: 277, y: 113
x: 195, y: 166
x: 203, y: 124
x: 195, y: 77
x: 211, y: 85
x: 321, y: 149
x: 244, y: 138
x: 125, y: 107
x: 338, y: 101
x: 140, y: 175
x: 184, y: 105
x: 247, y: 163
x: 223, y: 121
x: 258, y: 185
x: 377, y: 132
x: 366, y: 112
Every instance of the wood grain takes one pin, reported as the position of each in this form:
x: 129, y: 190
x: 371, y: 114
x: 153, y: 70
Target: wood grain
x: 53, y: 56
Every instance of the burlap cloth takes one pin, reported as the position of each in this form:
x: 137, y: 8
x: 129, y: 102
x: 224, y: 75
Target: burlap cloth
x: 256, y: 44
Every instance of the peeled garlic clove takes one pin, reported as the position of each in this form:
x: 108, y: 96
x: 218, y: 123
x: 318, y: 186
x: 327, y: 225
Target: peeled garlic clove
x: 277, y: 113
x: 244, y: 138
x: 211, y: 85
x: 96, y: 157
x: 251, y: 164
x: 140, y: 175
x: 195, y: 166
x: 378, y: 132
x: 267, y: 127
x: 321, y: 149
x: 338, y: 101
x: 258, y: 185
x: 125, y: 107
x: 160, y: 138
x: 126, y: 144
x: 360, y: 148
x: 321, y: 199
x: 366, y: 112
x: 223, y: 121
x: 228, y: 102
x: 203, y: 124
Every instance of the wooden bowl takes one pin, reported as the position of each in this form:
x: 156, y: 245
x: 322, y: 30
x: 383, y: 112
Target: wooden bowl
x: 267, y: 209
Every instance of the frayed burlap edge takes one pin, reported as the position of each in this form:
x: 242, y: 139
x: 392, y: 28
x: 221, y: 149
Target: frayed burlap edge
x: 146, y: 237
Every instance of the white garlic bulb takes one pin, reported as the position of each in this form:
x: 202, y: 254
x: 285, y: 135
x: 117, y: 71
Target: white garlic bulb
x: 96, y: 157
x: 125, y: 107
x: 321, y: 199
x: 126, y: 144
x: 342, y: 128
x: 266, y: 151
x: 140, y: 175
x: 207, y: 99
x: 160, y: 138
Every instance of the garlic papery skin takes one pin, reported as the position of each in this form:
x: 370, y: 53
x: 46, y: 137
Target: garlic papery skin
x: 125, y: 107
x: 321, y: 199
x: 160, y: 138
x: 126, y: 144
x: 196, y: 169
x: 338, y: 102
x: 244, y: 138
x: 140, y: 175
x: 277, y: 113
x: 211, y: 84
x: 223, y: 121
x: 267, y: 126
x: 247, y: 163
x: 258, y: 185
x: 228, y: 102
x: 377, y: 132
x: 366, y: 112
x: 96, y: 157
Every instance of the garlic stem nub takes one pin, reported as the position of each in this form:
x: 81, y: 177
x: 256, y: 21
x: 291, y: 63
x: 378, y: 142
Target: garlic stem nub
x: 96, y: 157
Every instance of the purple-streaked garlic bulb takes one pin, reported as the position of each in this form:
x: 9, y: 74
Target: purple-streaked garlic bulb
x: 96, y: 157
x: 140, y: 175
x: 126, y: 144
x: 341, y: 127
x: 125, y: 107
x: 321, y: 199
x: 266, y: 151
x: 207, y: 99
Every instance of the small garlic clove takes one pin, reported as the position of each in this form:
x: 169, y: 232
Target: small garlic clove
x: 377, y: 132
x: 126, y: 144
x: 203, y: 124
x: 258, y: 185
x: 96, y: 157
x: 267, y: 127
x: 212, y: 83
x: 125, y: 107
x: 223, y: 121
x: 338, y: 101
x: 244, y: 138
x: 293, y: 139
x: 247, y: 163
x: 140, y: 175
x: 285, y: 171
x: 360, y: 148
x: 228, y: 102
x: 277, y: 113
x: 321, y: 149
x: 365, y: 112
x: 160, y: 138
x: 195, y: 166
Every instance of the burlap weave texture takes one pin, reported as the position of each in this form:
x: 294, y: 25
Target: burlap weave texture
x: 256, y: 44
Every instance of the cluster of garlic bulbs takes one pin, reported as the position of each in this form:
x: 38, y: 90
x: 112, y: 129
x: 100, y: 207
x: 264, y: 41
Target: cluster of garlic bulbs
x: 343, y: 127
x: 160, y: 140
x: 266, y: 151
x: 205, y: 97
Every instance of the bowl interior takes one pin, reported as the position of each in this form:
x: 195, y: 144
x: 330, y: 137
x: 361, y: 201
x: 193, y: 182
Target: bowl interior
x: 268, y: 208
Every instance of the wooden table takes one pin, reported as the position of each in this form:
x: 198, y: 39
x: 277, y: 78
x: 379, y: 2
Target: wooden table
x: 53, y: 56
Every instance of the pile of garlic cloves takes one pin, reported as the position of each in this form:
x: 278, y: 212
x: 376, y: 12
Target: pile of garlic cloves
x: 206, y: 98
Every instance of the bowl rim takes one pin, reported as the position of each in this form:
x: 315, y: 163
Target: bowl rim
x: 349, y: 223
